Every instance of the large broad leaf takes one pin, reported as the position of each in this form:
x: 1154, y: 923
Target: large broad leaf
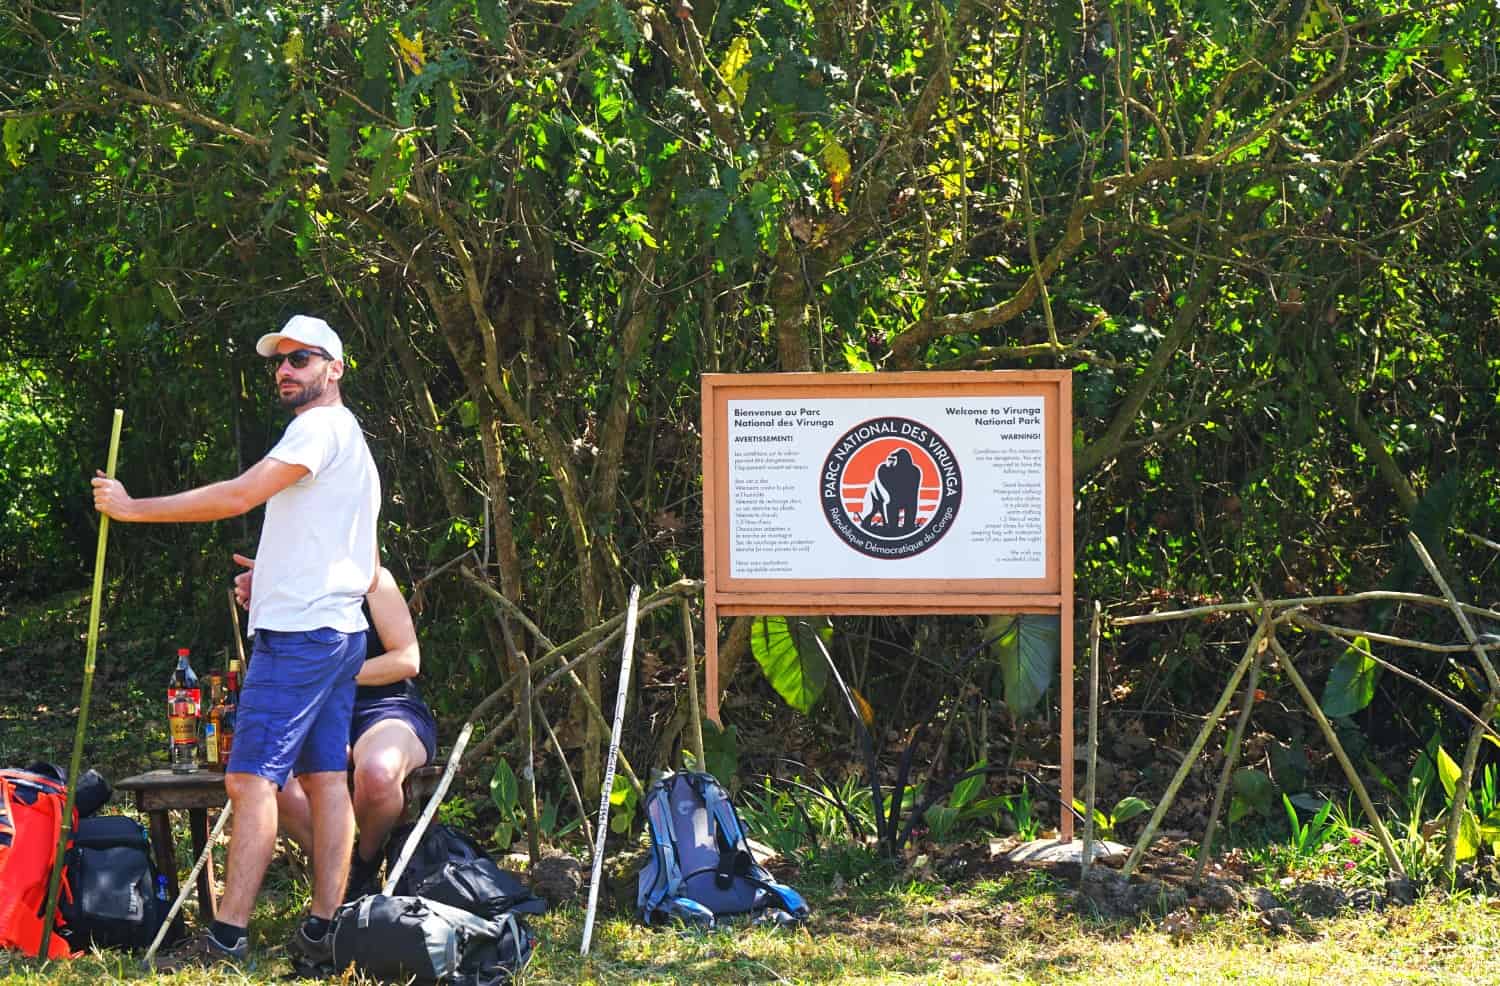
x: 1468, y: 836
x: 1351, y: 683
x: 505, y: 793
x: 622, y: 804
x: 788, y: 652
x: 1254, y: 791
x: 721, y: 752
x: 1448, y: 771
x: 1129, y: 807
x: 965, y: 789
x: 1489, y: 831
x: 1028, y: 650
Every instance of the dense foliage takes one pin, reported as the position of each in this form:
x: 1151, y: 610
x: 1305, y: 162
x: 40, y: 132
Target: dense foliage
x: 1262, y: 235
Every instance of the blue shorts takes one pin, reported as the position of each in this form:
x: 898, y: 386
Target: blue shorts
x: 403, y: 708
x: 296, y: 703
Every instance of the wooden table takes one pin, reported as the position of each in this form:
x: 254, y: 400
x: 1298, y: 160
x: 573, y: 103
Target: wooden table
x: 159, y: 792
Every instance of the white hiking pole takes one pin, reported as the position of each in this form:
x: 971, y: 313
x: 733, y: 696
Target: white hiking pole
x: 188, y: 884
x: 409, y: 848
x: 609, y: 768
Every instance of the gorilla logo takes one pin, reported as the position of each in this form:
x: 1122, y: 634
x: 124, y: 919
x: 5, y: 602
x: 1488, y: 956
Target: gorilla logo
x: 890, y: 505
x: 891, y: 488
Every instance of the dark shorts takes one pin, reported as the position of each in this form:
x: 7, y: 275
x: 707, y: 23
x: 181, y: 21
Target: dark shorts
x: 296, y: 703
x: 404, y: 708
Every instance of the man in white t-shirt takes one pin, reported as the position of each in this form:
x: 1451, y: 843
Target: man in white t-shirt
x: 316, y: 560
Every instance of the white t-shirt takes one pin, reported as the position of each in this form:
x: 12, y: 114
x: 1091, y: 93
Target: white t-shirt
x: 317, y: 554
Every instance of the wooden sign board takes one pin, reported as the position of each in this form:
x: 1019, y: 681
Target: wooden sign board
x: 890, y: 493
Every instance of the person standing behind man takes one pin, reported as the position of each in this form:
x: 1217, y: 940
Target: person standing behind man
x: 317, y: 558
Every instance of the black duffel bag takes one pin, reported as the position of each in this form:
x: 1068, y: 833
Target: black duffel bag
x: 480, y: 887
x: 118, y: 899
x: 439, y: 846
x: 409, y: 939
x: 449, y: 867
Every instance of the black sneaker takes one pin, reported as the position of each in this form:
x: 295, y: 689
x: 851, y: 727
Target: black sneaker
x: 362, y: 877
x: 201, y: 951
x: 309, y: 955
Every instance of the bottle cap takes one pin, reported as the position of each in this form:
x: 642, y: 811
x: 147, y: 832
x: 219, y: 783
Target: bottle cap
x: 183, y: 652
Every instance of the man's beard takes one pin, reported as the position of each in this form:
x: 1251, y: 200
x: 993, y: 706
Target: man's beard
x: 307, y: 393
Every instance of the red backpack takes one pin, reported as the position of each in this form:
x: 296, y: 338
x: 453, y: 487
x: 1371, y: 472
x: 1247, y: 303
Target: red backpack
x: 31, y: 815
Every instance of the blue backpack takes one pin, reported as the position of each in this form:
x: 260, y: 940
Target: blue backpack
x: 700, y: 866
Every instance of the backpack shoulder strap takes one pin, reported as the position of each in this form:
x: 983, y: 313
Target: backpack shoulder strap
x: 663, y: 847
x: 735, y: 858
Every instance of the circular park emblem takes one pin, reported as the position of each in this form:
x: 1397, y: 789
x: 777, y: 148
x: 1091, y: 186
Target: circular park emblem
x: 891, y: 487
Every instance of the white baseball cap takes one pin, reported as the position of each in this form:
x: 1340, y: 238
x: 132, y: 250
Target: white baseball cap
x: 304, y: 329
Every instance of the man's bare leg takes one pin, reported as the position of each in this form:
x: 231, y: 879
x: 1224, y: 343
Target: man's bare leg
x: 295, y: 814
x: 333, y: 838
x: 251, y: 844
x: 384, y: 755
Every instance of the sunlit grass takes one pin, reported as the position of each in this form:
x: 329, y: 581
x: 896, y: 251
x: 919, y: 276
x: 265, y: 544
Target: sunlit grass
x: 1019, y: 929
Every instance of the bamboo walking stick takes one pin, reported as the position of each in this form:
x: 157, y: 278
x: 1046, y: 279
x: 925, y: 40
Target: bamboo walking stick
x: 609, y: 768
x: 83, y: 704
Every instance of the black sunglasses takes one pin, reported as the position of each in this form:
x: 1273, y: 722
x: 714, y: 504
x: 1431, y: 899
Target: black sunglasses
x: 298, y: 358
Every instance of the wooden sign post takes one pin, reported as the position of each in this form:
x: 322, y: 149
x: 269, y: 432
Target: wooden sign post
x: 890, y: 494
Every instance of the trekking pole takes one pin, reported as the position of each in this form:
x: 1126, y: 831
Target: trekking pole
x: 187, y: 885
x: 83, y: 704
x: 409, y: 848
x: 609, y: 767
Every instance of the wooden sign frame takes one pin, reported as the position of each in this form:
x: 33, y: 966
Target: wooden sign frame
x: 813, y: 395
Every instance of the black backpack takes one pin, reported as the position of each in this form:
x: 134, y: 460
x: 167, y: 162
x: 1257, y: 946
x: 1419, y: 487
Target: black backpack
x: 440, y: 845
x: 413, y: 940
x: 119, y: 900
x: 450, y: 868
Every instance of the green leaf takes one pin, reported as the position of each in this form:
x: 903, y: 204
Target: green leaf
x: 281, y: 136
x: 505, y: 833
x: 376, y: 53
x: 721, y: 752
x: 579, y: 13
x: 1129, y: 807
x: 1468, y: 836
x: 1448, y: 771
x: 445, y: 97
x: 504, y: 791
x: 941, y: 819
x: 1028, y: 650
x: 789, y: 656
x: 621, y: 26
x: 1256, y: 790
x: 965, y: 789
x: 1351, y: 683
x: 622, y: 802
x: 494, y: 17
x: 339, y: 138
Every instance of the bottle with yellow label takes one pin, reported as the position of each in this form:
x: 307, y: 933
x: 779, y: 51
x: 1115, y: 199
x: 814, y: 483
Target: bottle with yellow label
x: 184, y: 707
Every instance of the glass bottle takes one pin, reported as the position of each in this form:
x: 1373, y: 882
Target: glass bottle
x: 184, y: 704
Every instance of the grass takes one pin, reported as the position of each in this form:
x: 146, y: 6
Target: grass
x: 1014, y: 930
x: 871, y: 924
